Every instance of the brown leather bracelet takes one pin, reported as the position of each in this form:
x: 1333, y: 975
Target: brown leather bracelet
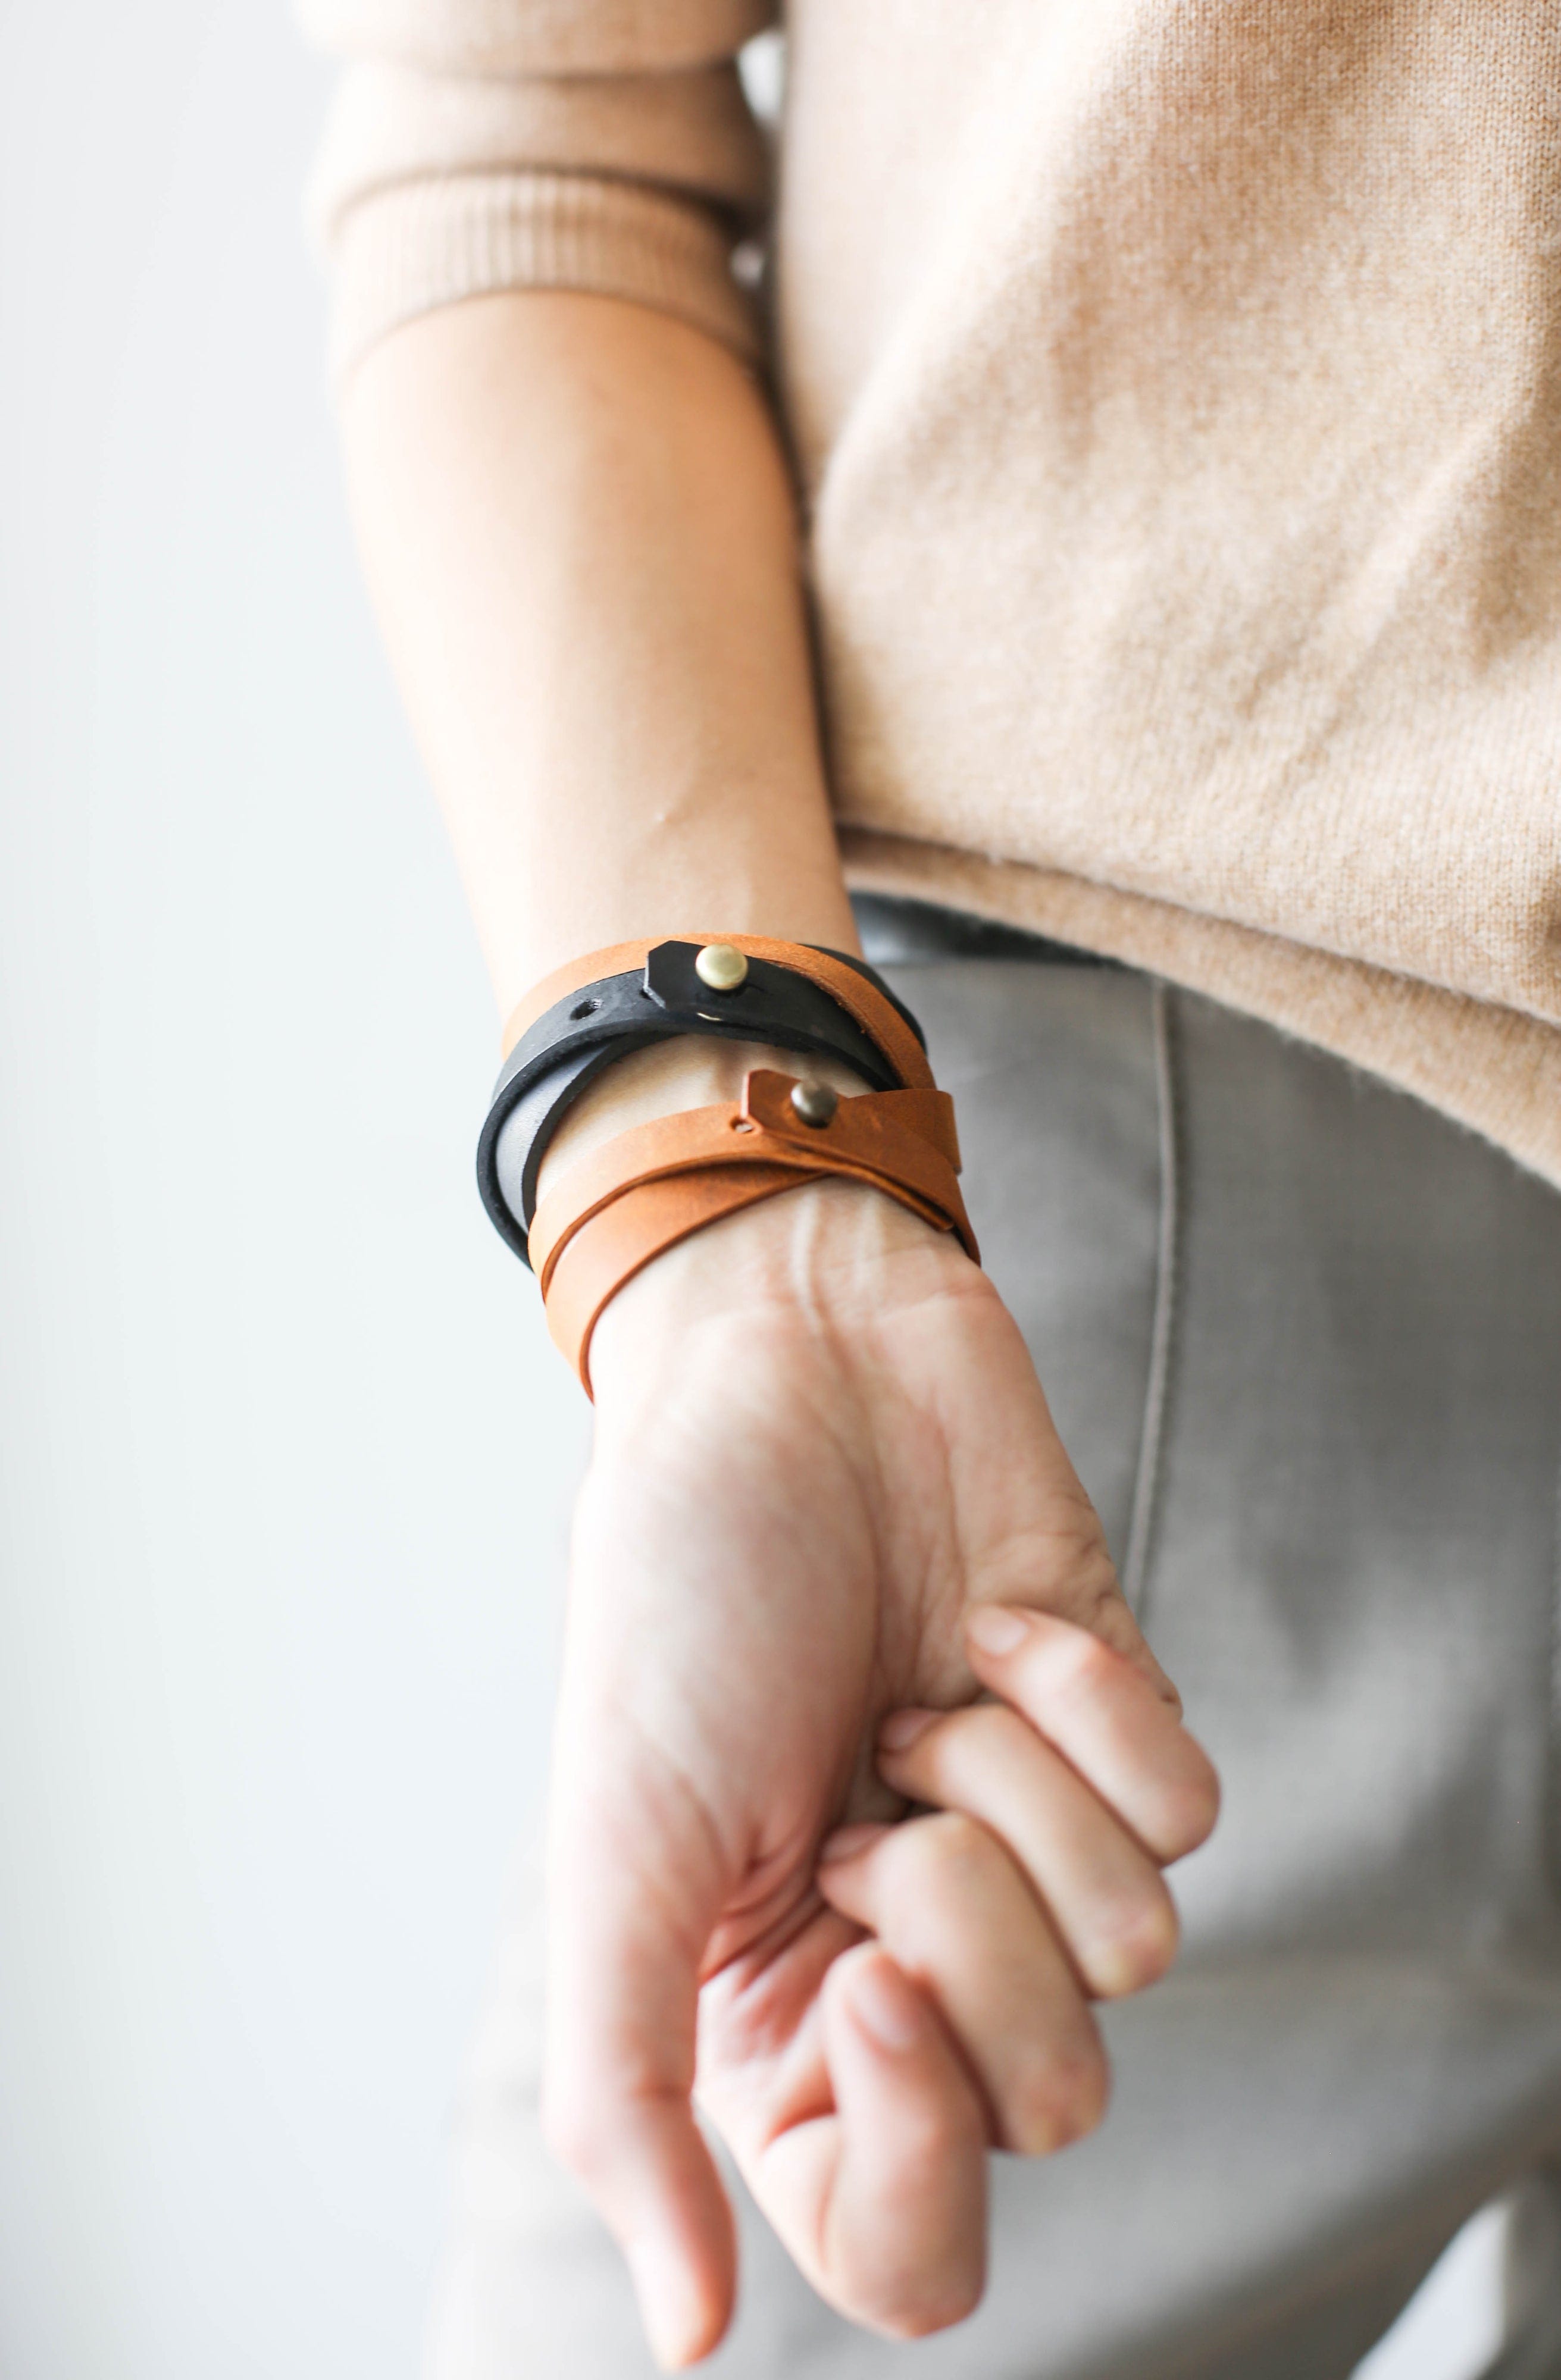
x: 657, y: 1184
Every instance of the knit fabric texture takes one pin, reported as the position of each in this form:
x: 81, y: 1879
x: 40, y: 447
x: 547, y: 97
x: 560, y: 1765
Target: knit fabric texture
x: 1176, y: 390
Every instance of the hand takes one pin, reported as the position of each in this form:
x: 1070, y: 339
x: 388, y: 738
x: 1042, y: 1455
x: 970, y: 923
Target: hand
x: 820, y: 1450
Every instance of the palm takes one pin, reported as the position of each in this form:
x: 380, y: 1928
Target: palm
x: 857, y: 1485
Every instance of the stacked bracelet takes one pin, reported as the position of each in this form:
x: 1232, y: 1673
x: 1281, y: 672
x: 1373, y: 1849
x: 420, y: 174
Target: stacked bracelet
x: 660, y: 1182
x: 582, y: 1019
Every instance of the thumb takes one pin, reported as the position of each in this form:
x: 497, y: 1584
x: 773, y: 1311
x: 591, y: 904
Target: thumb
x: 1030, y: 1535
x: 634, y: 1888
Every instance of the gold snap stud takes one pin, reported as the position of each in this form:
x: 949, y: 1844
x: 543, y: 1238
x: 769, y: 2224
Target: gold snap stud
x: 814, y: 1103
x: 721, y: 967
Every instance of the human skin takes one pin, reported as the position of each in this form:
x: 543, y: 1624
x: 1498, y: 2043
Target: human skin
x: 822, y: 1461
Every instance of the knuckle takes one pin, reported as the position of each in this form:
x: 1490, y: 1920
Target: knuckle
x: 1138, y: 1944
x: 1060, y: 2099
x: 1101, y: 1601
x: 1093, y: 1587
x: 992, y: 1725
x: 1086, y: 2094
x: 954, y: 1749
x: 1082, y: 1664
x: 1069, y: 1551
x: 1189, y: 1806
x: 948, y: 1848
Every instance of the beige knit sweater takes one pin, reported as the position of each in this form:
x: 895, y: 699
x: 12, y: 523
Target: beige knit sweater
x: 1176, y: 389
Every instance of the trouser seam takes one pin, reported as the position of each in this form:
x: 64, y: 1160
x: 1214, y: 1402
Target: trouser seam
x: 1553, y: 1746
x: 1147, y: 1481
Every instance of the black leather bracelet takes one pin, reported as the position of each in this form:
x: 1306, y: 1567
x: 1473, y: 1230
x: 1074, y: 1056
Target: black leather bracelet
x: 592, y: 1028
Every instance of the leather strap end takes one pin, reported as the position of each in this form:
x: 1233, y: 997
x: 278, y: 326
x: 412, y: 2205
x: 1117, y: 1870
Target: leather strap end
x: 623, y: 1239
x: 897, y: 1141
x: 604, y: 1256
x: 661, y: 1181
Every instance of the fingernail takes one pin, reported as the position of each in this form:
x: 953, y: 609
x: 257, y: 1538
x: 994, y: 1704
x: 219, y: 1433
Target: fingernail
x: 992, y: 1629
x: 673, y: 2319
x: 846, y: 1841
x: 884, y: 2004
x: 901, y: 1729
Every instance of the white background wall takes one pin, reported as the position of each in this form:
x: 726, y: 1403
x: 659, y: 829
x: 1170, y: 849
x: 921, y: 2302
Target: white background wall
x: 283, y: 1453
x: 282, y: 1449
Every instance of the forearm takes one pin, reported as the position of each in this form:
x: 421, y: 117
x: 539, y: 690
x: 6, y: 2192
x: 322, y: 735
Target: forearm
x: 577, y: 527
x: 820, y: 1442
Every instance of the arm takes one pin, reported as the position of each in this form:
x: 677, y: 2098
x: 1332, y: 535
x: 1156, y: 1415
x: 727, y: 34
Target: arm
x: 821, y: 1445
x: 579, y: 532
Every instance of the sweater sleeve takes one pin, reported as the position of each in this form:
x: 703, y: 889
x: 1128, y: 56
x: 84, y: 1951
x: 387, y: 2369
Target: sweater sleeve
x: 479, y: 145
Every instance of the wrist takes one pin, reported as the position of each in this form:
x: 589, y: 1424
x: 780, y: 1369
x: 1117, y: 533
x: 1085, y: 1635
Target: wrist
x: 826, y: 1259
x: 650, y: 1157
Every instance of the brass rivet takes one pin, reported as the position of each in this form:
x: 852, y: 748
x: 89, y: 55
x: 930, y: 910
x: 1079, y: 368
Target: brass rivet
x: 814, y: 1103
x: 721, y: 967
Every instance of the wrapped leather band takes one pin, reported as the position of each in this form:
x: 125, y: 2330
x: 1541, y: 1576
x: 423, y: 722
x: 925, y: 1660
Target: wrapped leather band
x: 848, y: 981
x: 659, y: 1183
x: 642, y: 1225
x: 581, y: 1021
x: 905, y: 1138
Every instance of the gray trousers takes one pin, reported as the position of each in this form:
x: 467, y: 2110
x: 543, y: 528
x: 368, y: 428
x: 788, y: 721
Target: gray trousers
x: 1303, y: 1339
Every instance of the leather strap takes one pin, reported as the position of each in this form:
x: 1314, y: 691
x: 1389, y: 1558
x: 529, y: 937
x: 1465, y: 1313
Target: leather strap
x: 596, y: 1025
x: 853, y: 988
x: 903, y: 1138
x: 641, y: 1193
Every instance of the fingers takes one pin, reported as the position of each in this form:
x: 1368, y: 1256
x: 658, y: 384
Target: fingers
x: 1106, y: 1720
x: 1037, y: 1879
x: 1104, y: 1893
x: 630, y: 1914
x: 855, y: 2124
x: 948, y: 1902
x: 907, y: 2226
x: 884, y: 2202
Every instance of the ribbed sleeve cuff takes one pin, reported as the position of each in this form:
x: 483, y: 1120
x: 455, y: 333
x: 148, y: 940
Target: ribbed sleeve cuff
x: 404, y: 252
